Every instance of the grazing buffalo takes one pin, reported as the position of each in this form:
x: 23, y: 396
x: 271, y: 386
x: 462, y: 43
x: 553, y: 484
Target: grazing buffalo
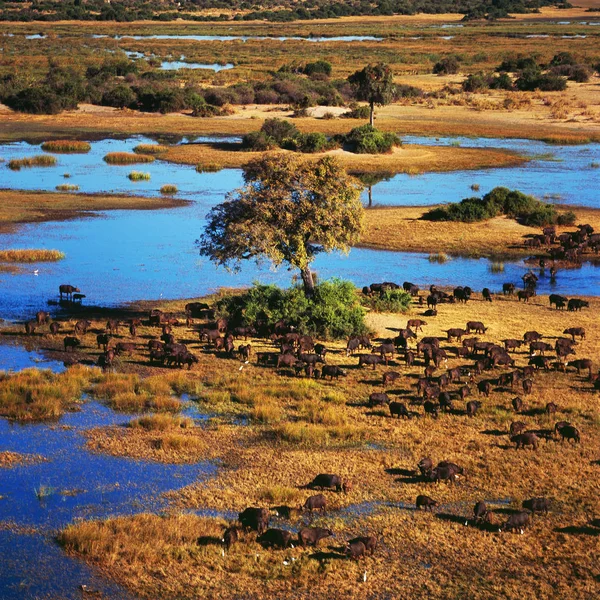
x: 517, y: 404
x: 486, y: 294
x: 310, y: 359
x: 105, y: 361
x: 581, y: 364
x: 575, y: 331
x: 540, y: 347
x: 326, y: 481
x: 112, y: 326
x: 67, y: 290
x: 125, y: 347
x: 371, y: 359
x: 525, y: 295
x: 512, y: 344
x: 472, y: 407
x: 103, y: 339
x: 531, y: 336
x: 256, y: 519
x: 370, y: 542
x: 525, y: 439
x: 54, y: 327
x: 537, y: 505
x: 390, y: 377
x: 332, y: 371
x: 476, y: 326
x: 508, y: 289
x: 517, y: 427
x: 398, y: 409
x: 244, y: 352
x: 82, y: 326
x: 484, y: 387
x: 431, y: 408
x: 416, y: 324
x: 378, y: 399
x: 527, y: 386
x: 311, y: 536
x: 568, y: 432
x: 445, y: 401
x: 317, y: 502
x: 577, y: 304
x: 30, y: 327
x: 195, y: 309
x: 551, y: 408
x: 71, y: 342
x: 456, y: 332
x: 558, y: 301
x: 425, y: 503
x: 42, y: 317
x: 540, y: 362
x: 286, y: 360
x: 464, y: 392
x: 480, y: 511
x: 230, y: 537
x: 444, y: 472
x: 517, y: 521
x: 275, y: 538
x: 355, y: 550
x: 425, y: 466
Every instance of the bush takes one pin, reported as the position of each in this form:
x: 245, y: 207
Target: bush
x: 313, y: 142
x: 476, y: 82
x: 449, y: 65
x: 567, y: 218
x: 369, y: 140
x: 501, y: 82
x: 526, y: 209
x: 532, y: 80
x: 258, y: 141
x: 279, y: 130
x: 394, y: 301
x: 121, y: 96
x: 39, y: 99
x: 333, y: 312
x: 318, y: 67
x: 357, y: 112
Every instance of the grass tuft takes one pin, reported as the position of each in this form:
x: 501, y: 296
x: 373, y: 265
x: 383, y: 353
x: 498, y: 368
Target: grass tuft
x: 67, y: 187
x: 30, y: 255
x: 67, y: 147
x: 168, y: 189
x: 139, y: 176
x: 42, y: 160
x: 150, y: 149
x: 126, y: 158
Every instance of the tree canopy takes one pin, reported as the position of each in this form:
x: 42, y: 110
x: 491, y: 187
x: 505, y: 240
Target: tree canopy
x: 288, y: 211
x: 373, y: 84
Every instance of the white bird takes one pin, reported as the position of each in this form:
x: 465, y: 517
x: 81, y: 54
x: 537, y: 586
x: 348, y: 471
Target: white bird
x: 365, y: 576
x: 222, y: 552
x: 286, y: 563
x: 36, y: 272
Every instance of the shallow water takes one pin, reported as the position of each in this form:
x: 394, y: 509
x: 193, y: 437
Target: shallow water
x: 71, y: 483
x: 151, y: 254
x: 244, y: 38
x: 17, y: 357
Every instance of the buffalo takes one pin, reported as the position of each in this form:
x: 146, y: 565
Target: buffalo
x: 537, y: 505
x: 398, y: 409
x: 311, y: 536
x: 317, y: 502
x: 71, y: 342
x: 255, y: 518
x: 275, y: 538
x: 517, y: 521
x: 332, y: 371
x: 326, y: 481
x: 425, y: 503
x: 525, y: 439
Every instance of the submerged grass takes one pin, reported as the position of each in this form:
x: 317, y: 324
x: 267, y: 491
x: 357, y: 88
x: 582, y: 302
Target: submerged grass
x: 42, y: 160
x: 30, y: 255
x: 139, y: 176
x: 67, y: 146
x: 168, y: 189
x: 67, y: 187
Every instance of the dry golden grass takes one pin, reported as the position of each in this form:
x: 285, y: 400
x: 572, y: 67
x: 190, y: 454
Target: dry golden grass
x: 12, y: 459
x: 402, y: 229
x: 43, y: 160
x: 30, y: 255
x: 127, y: 158
x: 67, y: 146
x: 27, y: 207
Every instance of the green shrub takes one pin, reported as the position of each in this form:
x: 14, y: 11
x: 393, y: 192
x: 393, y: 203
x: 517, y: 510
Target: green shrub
x: 357, y: 112
x: 369, y: 140
x: 394, y: 301
x: 313, y: 142
x: 449, y: 65
x: 320, y: 66
x: 567, y: 218
x: 333, y: 312
x: 476, y: 82
x: 121, y: 96
x: 258, y: 141
x: 279, y: 130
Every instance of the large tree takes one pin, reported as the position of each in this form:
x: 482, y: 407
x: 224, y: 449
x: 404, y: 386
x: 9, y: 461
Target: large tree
x: 373, y: 84
x: 289, y: 210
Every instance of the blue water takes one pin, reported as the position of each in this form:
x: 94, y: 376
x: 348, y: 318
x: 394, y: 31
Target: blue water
x: 124, y: 256
x: 78, y: 484
x: 244, y: 38
x: 174, y: 65
x: 17, y: 358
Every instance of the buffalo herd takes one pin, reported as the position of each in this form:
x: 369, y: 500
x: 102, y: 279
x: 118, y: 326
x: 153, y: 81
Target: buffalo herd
x: 486, y: 367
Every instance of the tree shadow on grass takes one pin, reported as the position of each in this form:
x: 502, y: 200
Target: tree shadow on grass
x: 451, y: 518
x: 579, y: 530
x: 208, y: 540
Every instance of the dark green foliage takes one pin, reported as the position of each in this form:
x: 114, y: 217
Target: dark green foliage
x: 500, y: 82
x: 566, y: 218
x: 578, y: 73
x: 516, y: 64
x: 120, y: 96
x: 279, y: 130
x: 449, y: 65
x: 500, y: 201
x: 357, y: 112
x: 258, y: 141
x: 334, y: 311
x: 531, y: 80
x: 319, y: 66
x: 393, y: 301
x: 476, y: 82
x: 373, y: 84
x: 40, y: 99
x: 368, y: 140
x: 159, y: 98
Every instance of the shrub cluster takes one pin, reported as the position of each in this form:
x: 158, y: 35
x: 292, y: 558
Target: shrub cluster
x: 500, y: 201
x: 279, y: 133
x: 333, y: 312
x: 393, y: 301
x: 369, y: 140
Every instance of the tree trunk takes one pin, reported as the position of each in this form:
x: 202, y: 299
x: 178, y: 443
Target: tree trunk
x: 307, y: 280
x: 370, y: 196
x: 372, y: 115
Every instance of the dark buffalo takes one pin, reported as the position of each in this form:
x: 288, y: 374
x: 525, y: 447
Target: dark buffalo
x: 508, y: 289
x: 517, y: 404
x: 355, y: 550
x: 431, y: 408
x: 484, y: 387
x: 30, y: 327
x: 525, y: 439
x: 517, y: 521
x: 256, y: 519
x: 575, y: 331
x: 464, y: 392
x: 568, y: 432
x: 378, y: 399
x: 456, y: 332
x: 82, y: 326
x: 275, y: 538
x: 531, y: 336
x: 425, y: 466
x: 476, y: 326
x: 326, y: 481
x: 112, y: 326
x: 517, y: 427
x: 480, y: 511
x: 527, y: 386
x: 103, y: 339
x: 71, y: 342
x: 125, y: 347
x: 581, y: 364
x: 425, y: 503
x: 551, y: 408
x: 416, y: 324
x: 398, y: 409
x: 472, y: 407
x: 317, y: 502
x: 230, y: 537
x: 370, y: 542
x: 42, y: 317
x: 537, y: 505
x: 512, y: 344
x: 68, y: 290
x: 332, y: 371
x: 311, y: 536
x: 558, y: 301
x: 370, y: 359
x: 54, y: 327
x: 486, y: 294
x: 390, y: 377
x: 577, y: 304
